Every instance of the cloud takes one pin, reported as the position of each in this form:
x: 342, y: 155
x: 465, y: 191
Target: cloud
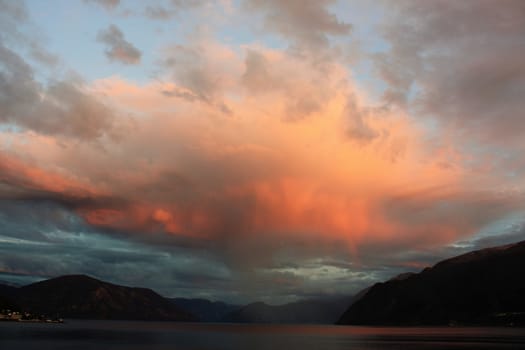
x: 107, y: 4
x: 171, y: 9
x: 193, y: 69
x: 43, y: 56
x: 118, y: 48
x: 271, y: 73
x: 61, y: 108
x: 14, y: 10
x: 202, y: 70
x: 358, y: 128
x: 43, y: 239
x: 14, y: 25
x: 158, y: 12
x: 253, y: 189
x: 308, y: 24
x: 461, y: 64
x: 231, y: 182
x: 270, y: 165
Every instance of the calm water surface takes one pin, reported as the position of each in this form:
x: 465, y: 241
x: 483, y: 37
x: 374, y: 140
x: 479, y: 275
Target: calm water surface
x: 112, y: 335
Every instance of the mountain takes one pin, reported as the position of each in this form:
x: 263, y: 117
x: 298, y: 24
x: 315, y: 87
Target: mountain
x: 307, y: 311
x: 485, y: 287
x: 80, y: 296
x: 205, y: 310
x: 7, y: 294
x: 7, y: 298
x: 7, y: 291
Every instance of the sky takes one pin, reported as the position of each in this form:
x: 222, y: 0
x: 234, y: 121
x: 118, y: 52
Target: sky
x: 257, y: 150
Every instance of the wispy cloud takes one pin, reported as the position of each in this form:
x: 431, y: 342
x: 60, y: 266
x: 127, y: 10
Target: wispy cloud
x: 107, y: 4
x: 118, y: 48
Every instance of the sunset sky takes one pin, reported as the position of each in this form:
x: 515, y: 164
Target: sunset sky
x: 249, y: 150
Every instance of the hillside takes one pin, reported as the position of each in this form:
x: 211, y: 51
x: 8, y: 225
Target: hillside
x: 482, y: 287
x: 79, y: 296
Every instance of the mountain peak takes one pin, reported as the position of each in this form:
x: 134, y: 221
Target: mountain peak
x: 479, y: 254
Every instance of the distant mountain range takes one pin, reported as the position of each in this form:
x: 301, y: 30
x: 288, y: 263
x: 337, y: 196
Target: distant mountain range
x: 319, y: 311
x: 79, y: 296
x: 485, y: 287
x: 205, y: 310
x: 325, y: 311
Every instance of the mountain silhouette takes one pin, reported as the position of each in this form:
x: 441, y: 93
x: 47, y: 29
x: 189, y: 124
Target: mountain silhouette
x: 205, y: 310
x: 80, y: 296
x: 485, y: 287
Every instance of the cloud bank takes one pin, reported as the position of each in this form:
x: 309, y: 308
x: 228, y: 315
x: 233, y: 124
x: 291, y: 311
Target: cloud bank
x: 248, y: 165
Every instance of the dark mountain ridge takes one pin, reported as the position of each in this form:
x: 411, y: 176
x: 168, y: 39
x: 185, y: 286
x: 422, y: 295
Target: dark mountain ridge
x: 484, y: 287
x: 80, y: 296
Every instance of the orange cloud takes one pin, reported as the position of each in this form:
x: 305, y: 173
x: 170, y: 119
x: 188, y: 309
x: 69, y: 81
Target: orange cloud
x: 281, y: 164
x: 24, y: 177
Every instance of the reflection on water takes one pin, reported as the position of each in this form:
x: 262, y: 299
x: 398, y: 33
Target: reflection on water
x: 80, y: 335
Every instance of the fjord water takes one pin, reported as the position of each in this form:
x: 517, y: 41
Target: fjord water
x: 80, y: 335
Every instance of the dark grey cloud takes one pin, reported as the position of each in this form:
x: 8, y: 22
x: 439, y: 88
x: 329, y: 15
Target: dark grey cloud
x: 460, y: 62
x: 61, y: 108
x: 42, y: 238
x: 46, y: 238
x: 117, y: 47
